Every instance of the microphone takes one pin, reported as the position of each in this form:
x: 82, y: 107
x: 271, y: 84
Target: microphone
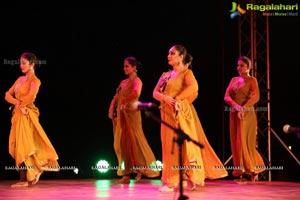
x: 290, y: 129
x: 144, y: 105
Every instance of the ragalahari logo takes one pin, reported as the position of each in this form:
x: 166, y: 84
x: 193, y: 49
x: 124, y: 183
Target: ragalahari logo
x: 236, y: 10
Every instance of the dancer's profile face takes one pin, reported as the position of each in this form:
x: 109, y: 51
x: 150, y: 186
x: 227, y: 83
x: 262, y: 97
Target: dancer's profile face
x: 173, y: 57
x: 128, y: 68
x: 25, y: 65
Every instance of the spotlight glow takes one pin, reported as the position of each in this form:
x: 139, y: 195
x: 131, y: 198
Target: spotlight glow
x: 159, y: 165
x: 102, y: 166
x: 76, y: 170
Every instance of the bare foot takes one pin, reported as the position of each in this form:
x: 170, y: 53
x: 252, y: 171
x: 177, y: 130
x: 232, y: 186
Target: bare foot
x: 20, y: 184
x: 37, y: 178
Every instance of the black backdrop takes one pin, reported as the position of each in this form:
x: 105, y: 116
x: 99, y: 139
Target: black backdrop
x: 84, y: 48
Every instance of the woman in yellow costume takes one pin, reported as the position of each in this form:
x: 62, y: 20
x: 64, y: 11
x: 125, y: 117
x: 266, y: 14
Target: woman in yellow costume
x: 241, y: 95
x: 131, y: 147
x: 28, y: 142
x: 176, y: 90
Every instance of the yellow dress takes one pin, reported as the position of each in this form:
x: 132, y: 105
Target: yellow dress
x: 131, y: 147
x: 198, y: 163
x: 246, y: 158
x: 28, y: 141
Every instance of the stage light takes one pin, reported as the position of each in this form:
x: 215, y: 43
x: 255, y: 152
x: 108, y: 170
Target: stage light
x: 123, y: 165
x: 76, y: 170
x: 102, y: 166
x: 159, y: 165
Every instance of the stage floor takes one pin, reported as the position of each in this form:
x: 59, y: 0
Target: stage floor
x: 90, y: 189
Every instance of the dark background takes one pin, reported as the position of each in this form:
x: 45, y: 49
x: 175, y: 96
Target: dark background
x: 84, y: 50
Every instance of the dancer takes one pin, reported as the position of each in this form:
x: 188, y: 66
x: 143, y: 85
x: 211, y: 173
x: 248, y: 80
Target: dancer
x: 132, y: 149
x: 28, y: 142
x: 176, y: 90
x: 241, y: 95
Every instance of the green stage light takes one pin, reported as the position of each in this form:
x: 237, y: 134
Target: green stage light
x: 102, y: 166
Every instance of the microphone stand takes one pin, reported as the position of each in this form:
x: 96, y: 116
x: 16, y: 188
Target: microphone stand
x: 180, y: 139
